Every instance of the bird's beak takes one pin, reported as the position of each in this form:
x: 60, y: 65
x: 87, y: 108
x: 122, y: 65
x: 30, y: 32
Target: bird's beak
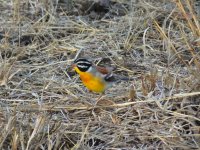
x: 73, y: 66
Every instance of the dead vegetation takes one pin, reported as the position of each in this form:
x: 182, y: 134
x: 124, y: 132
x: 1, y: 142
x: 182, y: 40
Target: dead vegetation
x: 43, y: 104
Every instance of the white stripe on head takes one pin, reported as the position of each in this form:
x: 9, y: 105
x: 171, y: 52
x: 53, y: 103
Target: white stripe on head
x: 84, y: 62
x: 82, y: 66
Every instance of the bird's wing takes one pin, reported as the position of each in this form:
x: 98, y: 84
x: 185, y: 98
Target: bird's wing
x: 110, y: 78
x: 104, y: 70
x: 107, y: 73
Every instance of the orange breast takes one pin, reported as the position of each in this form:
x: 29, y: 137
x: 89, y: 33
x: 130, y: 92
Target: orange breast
x: 92, y: 83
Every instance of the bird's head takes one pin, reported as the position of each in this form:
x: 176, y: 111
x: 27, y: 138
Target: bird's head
x: 82, y: 64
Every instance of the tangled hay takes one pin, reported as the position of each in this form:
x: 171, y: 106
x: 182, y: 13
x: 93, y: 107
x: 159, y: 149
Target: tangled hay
x: 43, y: 104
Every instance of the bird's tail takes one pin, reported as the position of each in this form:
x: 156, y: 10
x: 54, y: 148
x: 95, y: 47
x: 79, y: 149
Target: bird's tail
x: 125, y: 78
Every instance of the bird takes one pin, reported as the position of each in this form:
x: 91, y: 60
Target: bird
x: 95, y: 78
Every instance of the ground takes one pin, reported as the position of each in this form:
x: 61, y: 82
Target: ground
x: 155, y: 43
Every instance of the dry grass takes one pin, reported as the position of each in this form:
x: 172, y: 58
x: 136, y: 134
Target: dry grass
x: 43, y: 104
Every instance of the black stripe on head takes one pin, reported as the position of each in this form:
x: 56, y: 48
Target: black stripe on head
x: 83, y: 64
